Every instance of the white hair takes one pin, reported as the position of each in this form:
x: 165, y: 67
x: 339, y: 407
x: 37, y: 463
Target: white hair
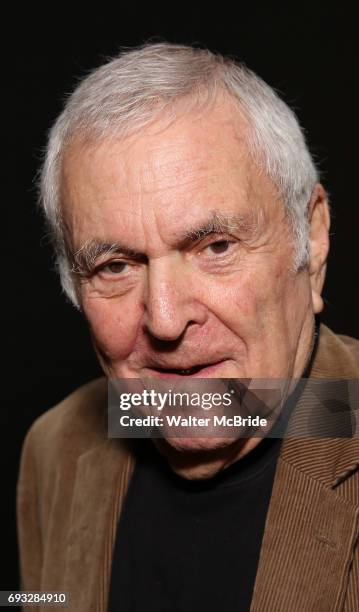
x: 145, y: 83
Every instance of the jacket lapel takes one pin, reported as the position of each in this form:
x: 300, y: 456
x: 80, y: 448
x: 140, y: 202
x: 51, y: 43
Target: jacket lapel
x: 102, y: 477
x: 308, y: 542
x: 312, y: 522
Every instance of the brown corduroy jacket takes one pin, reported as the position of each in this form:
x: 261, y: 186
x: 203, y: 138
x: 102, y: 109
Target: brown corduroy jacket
x: 73, y: 480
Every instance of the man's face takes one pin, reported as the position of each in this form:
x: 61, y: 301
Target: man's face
x: 200, y: 283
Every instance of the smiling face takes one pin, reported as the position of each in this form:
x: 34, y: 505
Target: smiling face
x: 185, y: 254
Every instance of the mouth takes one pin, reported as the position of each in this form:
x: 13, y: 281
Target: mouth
x: 200, y: 371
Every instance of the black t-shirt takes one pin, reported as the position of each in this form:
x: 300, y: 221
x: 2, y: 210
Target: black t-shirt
x: 186, y: 546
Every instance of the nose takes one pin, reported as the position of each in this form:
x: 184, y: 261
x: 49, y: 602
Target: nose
x: 171, y: 303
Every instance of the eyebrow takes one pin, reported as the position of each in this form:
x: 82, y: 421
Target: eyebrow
x: 220, y: 223
x: 84, y: 260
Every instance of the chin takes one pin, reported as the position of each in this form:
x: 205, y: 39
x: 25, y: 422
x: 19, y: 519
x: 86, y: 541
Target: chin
x: 198, y: 445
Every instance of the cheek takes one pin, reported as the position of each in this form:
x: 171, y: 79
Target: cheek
x: 239, y: 303
x: 113, y: 326
x: 255, y: 303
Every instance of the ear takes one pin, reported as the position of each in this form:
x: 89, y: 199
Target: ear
x: 319, y: 224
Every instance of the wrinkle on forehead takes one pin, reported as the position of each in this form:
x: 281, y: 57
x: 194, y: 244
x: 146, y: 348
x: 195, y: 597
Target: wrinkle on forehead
x: 151, y: 182
x: 169, y: 157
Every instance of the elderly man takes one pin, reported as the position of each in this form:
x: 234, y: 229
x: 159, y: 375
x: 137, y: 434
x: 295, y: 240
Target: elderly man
x: 191, y: 231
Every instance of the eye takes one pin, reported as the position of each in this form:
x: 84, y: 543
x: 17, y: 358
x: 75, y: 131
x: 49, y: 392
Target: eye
x: 220, y: 246
x: 114, y: 267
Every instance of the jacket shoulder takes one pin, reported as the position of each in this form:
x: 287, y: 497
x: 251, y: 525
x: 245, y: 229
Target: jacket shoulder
x: 64, y: 452
x: 75, y: 425
x: 337, y: 356
x: 351, y: 345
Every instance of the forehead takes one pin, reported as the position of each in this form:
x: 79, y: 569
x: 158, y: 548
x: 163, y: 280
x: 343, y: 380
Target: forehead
x: 196, y: 164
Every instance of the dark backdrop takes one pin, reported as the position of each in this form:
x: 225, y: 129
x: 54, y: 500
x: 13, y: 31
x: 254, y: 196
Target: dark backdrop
x: 306, y: 52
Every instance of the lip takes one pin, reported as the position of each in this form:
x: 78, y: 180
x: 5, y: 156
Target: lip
x: 206, y: 372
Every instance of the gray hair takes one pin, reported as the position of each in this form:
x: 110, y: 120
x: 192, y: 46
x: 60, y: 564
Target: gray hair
x: 142, y: 84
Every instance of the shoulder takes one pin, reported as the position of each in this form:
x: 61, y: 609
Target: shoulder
x: 66, y: 459
x: 69, y: 435
x: 337, y: 356
x: 72, y: 427
x: 324, y: 443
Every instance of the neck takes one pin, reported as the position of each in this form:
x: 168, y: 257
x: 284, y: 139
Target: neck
x: 203, y: 464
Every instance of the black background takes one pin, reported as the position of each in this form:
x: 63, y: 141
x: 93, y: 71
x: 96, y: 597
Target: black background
x: 307, y: 52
